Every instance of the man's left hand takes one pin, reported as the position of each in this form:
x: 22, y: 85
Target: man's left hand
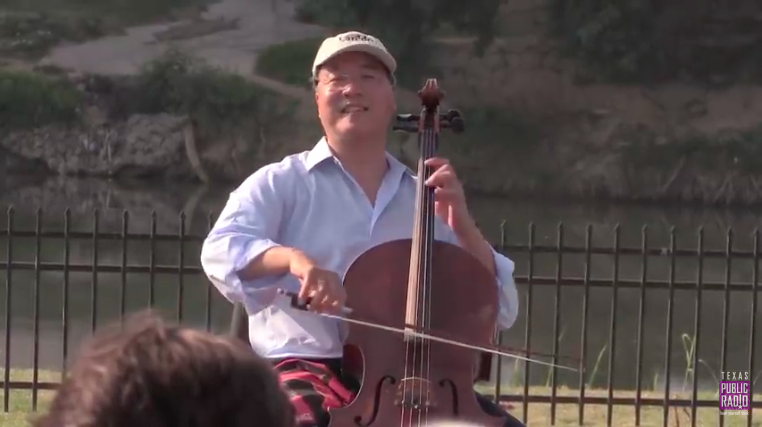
x: 450, y: 200
x: 450, y: 206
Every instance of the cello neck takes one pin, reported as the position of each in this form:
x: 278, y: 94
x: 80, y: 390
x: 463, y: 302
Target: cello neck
x: 419, y: 280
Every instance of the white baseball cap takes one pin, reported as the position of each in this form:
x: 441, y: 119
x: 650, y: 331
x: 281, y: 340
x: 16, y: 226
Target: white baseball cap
x: 353, y: 41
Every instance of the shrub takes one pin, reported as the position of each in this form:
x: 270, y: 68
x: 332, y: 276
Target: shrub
x: 647, y: 41
x: 34, y: 34
x: 289, y: 62
x: 616, y: 39
x: 29, y: 100
x: 217, y: 101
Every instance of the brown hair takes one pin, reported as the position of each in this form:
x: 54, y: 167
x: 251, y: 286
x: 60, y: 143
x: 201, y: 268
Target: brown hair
x: 150, y: 374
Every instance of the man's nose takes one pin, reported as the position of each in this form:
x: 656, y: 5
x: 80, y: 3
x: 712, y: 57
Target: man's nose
x: 352, y: 86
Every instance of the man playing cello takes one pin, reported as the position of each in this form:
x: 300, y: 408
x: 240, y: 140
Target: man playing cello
x: 298, y: 224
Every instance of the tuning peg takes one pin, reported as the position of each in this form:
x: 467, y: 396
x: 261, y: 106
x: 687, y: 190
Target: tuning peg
x: 452, y: 115
x: 457, y: 125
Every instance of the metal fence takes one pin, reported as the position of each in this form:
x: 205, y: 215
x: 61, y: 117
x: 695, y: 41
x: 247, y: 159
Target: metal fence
x: 541, y: 268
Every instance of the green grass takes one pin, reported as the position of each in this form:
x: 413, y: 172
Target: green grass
x: 539, y: 414
x: 20, y: 408
x: 289, y: 62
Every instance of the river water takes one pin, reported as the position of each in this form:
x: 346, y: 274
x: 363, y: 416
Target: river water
x: 81, y: 196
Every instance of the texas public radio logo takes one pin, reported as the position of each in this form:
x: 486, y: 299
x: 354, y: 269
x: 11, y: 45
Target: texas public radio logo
x: 735, y: 393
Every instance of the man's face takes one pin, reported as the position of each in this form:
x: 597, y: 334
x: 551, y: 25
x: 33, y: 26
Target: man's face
x: 354, y: 95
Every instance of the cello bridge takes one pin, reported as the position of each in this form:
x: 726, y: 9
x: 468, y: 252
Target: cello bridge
x: 415, y: 393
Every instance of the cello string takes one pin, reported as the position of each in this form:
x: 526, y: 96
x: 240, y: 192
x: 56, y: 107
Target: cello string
x: 430, y: 255
x: 422, y: 266
x: 410, y: 394
x: 408, y: 362
x: 421, y: 248
x: 421, y: 311
x: 428, y: 260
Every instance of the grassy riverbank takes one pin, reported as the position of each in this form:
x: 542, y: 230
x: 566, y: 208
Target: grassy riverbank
x: 539, y: 414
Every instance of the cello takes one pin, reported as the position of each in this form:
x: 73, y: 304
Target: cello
x: 418, y: 284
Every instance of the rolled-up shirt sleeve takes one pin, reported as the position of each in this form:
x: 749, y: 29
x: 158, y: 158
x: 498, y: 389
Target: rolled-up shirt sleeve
x: 509, y: 296
x: 247, y: 226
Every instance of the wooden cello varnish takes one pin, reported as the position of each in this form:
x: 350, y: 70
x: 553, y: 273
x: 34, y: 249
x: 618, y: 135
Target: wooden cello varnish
x: 432, y: 285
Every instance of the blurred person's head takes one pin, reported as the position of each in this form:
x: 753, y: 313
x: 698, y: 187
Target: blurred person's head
x: 151, y: 374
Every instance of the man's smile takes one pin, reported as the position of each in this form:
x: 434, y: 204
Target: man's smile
x: 354, y: 109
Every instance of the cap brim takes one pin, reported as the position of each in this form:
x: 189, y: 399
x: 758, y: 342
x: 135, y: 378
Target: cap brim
x: 380, y: 54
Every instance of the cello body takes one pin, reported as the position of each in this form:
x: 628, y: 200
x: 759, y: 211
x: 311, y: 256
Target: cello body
x: 407, y: 380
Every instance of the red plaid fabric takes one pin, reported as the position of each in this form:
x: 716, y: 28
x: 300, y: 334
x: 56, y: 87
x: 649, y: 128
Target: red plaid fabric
x: 313, y: 389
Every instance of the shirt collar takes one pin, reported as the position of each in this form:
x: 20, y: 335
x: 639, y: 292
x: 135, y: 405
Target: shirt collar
x: 319, y: 153
x: 322, y: 152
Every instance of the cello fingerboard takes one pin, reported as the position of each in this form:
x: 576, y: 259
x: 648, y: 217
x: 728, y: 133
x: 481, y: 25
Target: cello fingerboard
x: 419, y: 279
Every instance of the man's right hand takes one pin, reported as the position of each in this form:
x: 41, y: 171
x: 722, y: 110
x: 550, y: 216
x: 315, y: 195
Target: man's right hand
x: 322, y: 287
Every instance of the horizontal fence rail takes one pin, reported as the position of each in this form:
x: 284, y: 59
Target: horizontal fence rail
x: 598, y: 289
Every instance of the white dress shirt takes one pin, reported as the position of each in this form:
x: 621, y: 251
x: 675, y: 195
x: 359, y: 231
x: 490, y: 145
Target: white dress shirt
x: 308, y: 201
